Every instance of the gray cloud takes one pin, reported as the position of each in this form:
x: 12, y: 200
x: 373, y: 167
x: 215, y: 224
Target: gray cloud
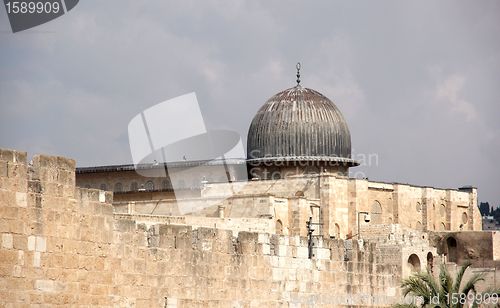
x: 448, y: 92
x: 417, y: 82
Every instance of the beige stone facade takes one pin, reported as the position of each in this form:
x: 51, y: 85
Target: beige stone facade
x: 335, y: 202
x: 65, y: 245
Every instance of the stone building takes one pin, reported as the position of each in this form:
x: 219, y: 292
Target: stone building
x: 298, y: 160
x: 289, y: 229
x: 63, y: 245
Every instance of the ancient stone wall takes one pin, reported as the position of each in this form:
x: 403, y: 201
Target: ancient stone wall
x: 61, y: 245
x: 477, y: 247
x: 235, y: 225
x: 415, y: 250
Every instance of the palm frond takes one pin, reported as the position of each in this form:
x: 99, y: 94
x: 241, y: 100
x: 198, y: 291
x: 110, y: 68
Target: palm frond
x: 430, y: 281
x: 414, y: 286
x: 445, y: 279
x: 470, y: 285
x: 460, y: 276
x: 425, y: 286
x: 418, y: 286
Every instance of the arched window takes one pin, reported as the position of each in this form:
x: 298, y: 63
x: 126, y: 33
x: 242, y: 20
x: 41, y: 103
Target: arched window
x: 299, y: 193
x: 418, y: 207
x: 103, y: 187
x: 376, y: 212
x: 442, y: 210
x: 337, y: 231
x: 414, y: 263
x: 149, y: 186
x: 430, y: 261
x: 279, y: 227
x: 451, y: 245
x: 133, y: 186
x: 442, y: 227
x: 118, y: 187
x: 465, y: 218
x: 315, y: 214
x: 418, y: 225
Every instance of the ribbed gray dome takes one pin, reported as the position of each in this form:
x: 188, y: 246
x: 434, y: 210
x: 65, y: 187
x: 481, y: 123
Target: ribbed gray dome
x: 299, y: 124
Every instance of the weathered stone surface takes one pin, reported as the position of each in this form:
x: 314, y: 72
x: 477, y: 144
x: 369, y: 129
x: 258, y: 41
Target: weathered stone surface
x: 62, y: 248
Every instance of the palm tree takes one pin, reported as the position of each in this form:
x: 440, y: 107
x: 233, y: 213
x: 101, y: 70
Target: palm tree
x: 443, y: 291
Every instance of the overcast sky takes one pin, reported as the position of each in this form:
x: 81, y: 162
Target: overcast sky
x: 419, y: 82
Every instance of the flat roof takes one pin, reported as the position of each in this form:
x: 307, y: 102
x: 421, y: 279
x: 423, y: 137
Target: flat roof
x: 178, y: 164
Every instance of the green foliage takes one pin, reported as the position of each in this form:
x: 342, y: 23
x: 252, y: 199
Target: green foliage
x: 443, y: 291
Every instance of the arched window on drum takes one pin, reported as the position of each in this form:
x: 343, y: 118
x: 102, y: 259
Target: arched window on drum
x: 150, y: 186
x: 376, y: 213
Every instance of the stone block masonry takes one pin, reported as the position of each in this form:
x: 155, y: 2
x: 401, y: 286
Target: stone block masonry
x: 61, y: 245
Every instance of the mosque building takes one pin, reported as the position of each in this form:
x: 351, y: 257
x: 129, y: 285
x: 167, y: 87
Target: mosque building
x: 297, y: 167
x: 285, y: 226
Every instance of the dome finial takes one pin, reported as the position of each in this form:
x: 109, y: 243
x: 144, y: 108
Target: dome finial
x: 298, y: 73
